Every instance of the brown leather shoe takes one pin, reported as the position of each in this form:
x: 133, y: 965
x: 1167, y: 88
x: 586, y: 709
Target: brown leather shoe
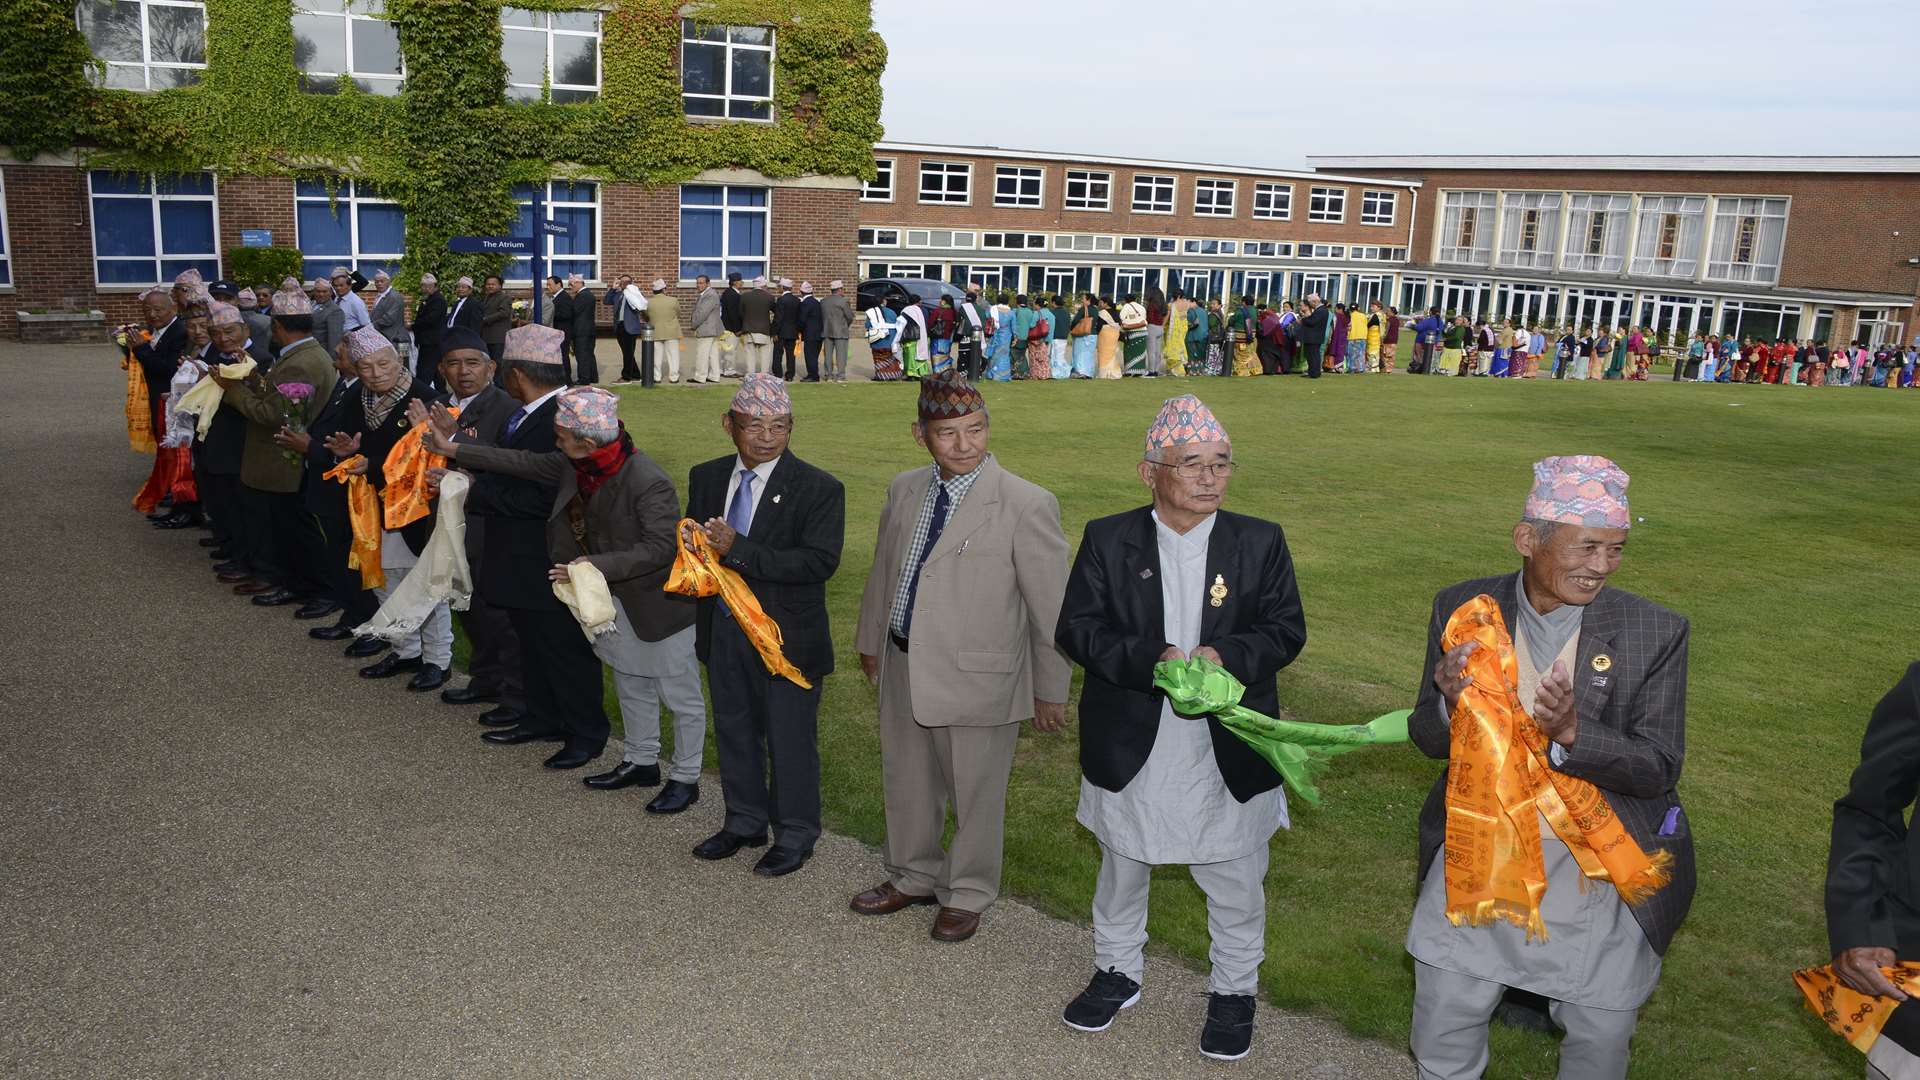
x: 252, y: 588
x: 954, y: 924
x: 884, y: 899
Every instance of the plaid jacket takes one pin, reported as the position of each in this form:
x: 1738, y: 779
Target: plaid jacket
x: 1632, y: 736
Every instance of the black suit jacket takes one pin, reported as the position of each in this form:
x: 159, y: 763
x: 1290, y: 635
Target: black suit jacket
x: 429, y: 326
x: 584, y: 312
x: 786, y: 558
x: 159, y: 359
x: 812, y: 322
x: 786, y: 315
x: 481, y: 421
x: 1311, y: 328
x: 226, y: 437
x: 376, y: 443
x: 470, y: 312
x: 730, y: 310
x: 513, y: 558
x: 1873, y: 869
x: 1632, y: 735
x: 324, y: 497
x: 1112, y: 623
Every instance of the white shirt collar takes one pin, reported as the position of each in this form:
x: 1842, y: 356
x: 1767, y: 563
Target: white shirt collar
x: 761, y: 472
x: 530, y: 406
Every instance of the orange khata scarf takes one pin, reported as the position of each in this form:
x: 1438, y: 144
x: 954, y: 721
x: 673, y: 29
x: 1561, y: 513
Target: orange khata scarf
x: 697, y: 572
x: 364, y: 554
x: 405, y: 496
x: 1498, y: 780
x: 139, y: 407
x: 1854, y: 1016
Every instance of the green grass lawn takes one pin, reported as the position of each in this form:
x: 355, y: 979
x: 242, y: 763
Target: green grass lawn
x: 1779, y: 519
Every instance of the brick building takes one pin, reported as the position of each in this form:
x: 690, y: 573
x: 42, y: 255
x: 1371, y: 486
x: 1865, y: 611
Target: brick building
x: 1796, y: 247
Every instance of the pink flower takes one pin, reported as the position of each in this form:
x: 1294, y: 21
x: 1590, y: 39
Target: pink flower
x: 295, y: 391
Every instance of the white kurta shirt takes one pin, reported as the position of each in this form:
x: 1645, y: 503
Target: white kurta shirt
x: 1177, y: 808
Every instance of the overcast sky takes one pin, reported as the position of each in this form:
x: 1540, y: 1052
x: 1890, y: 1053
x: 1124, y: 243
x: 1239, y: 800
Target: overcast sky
x: 1234, y: 81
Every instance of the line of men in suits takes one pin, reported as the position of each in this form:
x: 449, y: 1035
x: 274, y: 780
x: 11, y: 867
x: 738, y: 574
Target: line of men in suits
x: 970, y: 620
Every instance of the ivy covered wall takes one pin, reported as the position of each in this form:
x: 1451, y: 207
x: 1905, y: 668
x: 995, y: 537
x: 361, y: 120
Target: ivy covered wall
x: 449, y: 149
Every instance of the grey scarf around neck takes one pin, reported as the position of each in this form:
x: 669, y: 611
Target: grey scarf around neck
x: 1544, y: 635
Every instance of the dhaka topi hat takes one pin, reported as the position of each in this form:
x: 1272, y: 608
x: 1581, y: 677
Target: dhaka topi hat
x: 806, y: 288
x: 365, y: 341
x: 219, y: 314
x: 947, y: 395
x: 763, y: 395
x: 382, y: 275
x: 659, y: 284
x: 462, y: 337
x: 188, y: 277
x: 198, y: 294
x: 532, y: 344
x: 786, y: 283
x: 464, y: 280
x: 289, y: 284
x: 341, y: 271
x: 836, y: 285
x: 587, y: 408
x: 292, y: 302
x: 429, y: 279
x: 760, y: 282
x: 320, y: 283
x: 1582, y: 489
x: 246, y: 298
x: 1185, y: 419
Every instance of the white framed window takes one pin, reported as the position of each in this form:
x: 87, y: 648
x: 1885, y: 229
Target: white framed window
x: 1671, y: 231
x: 879, y: 237
x: 1153, y: 193
x: 939, y: 238
x: 1529, y: 229
x: 1327, y: 204
x: 1466, y: 227
x: 946, y: 182
x: 1749, y: 235
x: 1018, y: 185
x: 1059, y: 280
x: 1089, y: 189
x: 350, y: 225
x: 1271, y: 201
x: 723, y: 230
x: 1378, y: 207
x: 6, y: 259
x: 929, y: 271
x: 574, y: 204
x: 146, y: 44
x: 1323, y: 251
x: 1760, y: 321
x: 1877, y: 327
x: 147, y: 228
x: 558, y: 47
x: 1597, y: 227
x: 726, y: 72
x: 1014, y: 241
x: 1267, y: 249
x: 1082, y: 242
x: 1149, y: 245
x: 880, y: 188
x: 1214, y: 198
x: 1210, y: 247
x: 332, y: 38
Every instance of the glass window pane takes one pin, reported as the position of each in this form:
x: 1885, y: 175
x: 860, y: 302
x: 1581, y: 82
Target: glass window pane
x: 750, y: 35
x: 749, y: 110
x: 523, y: 93
x: 112, y: 30
x: 383, y: 228
x: 321, y: 5
x: 186, y: 228
x: 376, y: 47
x: 512, y: 16
x: 165, y: 78
x: 694, y: 268
x: 584, y: 267
x: 747, y: 234
x: 702, y: 31
x: 525, y: 54
x: 700, y: 195
x: 699, y: 233
x: 748, y: 270
x: 319, y: 43
x: 587, y: 21
x: 134, y: 272
x: 703, y: 106
x: 564, y: 96
x: 576, y: 61
x: 172, y: 268
x: 523, y: 222
x: 579, y: 239
x: 177, y: 35
x: 746, y: 196
x: 186, y: 184
x: 107, y: 182
x: 575, y: 191
x: 701, y: 70
x: 122, y: 77
x: 316, y: 189
x: 751, y: 72
x: 323, y: 229
x: 122, y: 227
x: 523, y: 192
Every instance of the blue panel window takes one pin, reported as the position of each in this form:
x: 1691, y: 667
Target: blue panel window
x: 723, y: 230
x: 352, y: 225
x: 147, y: 229
x: 574, y: 204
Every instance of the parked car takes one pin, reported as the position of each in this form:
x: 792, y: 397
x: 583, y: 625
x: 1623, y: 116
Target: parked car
x: 898, y: 292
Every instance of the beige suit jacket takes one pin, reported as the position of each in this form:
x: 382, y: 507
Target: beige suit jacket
x: 983, y: 618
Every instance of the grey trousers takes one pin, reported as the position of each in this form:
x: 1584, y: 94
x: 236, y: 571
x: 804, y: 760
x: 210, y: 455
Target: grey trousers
x: 1450, y: 1016
x: 433, y: 642
x: 836, y: 358
x: 923, y: 770
x: 1236, y: 917
x: 640, y: 700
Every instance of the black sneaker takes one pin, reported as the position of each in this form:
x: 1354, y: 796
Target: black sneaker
x: 1101, y: 1001
x: 1229, y: 1029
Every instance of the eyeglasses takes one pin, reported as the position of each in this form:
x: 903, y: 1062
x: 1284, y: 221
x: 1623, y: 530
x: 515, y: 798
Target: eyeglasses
x: 1194, y: 470
x: 778, y: 428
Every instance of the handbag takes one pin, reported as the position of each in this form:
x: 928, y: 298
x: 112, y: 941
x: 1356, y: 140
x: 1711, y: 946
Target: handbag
x: 1083, y: 327
x: 1038, y: 332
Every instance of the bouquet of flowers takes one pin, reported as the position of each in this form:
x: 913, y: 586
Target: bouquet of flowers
x: 294, y: 398
x: 522, y: 312
x: 129, y: 334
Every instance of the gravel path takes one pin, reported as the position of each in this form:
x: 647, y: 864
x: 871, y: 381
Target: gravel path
x: 225, y: 856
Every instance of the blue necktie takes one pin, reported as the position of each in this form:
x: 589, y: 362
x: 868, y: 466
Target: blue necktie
x: 740, y: 513
x: 940, y: 504
x: 513, y: 423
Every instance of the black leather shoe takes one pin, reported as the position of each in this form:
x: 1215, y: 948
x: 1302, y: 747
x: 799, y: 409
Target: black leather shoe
x: 276, y: 598
x: 674, y: 798
x: 723, y: 844
x: 469, y: 694
x: 502, y: 716
x: 780, y: 861
x: 625, y: 774
x: 179, y: 519
x: 514, y: 736
x: 364, y: 647
x: 570, y: 757
x: 390, y: 665
x: 316, y: 609
x: 330, y: 633
x: 220, y: 555
x: 429, y: 677
x: 209, y: 542
x: 231, y: 573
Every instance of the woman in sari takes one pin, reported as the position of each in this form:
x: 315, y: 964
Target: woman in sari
x: 1000, y: 343
x: 1022, y: 319
x: 883, y: 337
x: 1246, y: 338
x: 1040, y: 342
x: 1175, y: 341
x: 1217, y: 346
x: 1156, y: 330
x: 1338, y: 330
x: 941, y: 323
x: 913, y: 341
x: 1107, y: 348
x: 1617, y: 369
x: 1453, y: 347
x: 1083, y: 328
x: 1376, y: 334
x: 172, y: 476
x: 1133, y: 337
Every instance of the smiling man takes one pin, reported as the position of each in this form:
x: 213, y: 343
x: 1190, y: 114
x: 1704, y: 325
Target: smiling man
x: 969, y: 567
x: 1603, y: 674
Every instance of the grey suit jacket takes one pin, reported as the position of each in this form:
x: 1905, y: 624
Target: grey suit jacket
x: 706, y: 314
x: 389, y: 315
x: 988, y: 599
x: 836, y: 315
x: 1632, y: 735
x: 329, y: 327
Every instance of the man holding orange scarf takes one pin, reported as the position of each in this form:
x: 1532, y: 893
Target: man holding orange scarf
x: 1567, y: 861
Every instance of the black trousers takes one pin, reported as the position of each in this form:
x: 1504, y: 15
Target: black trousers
x: 783, y: 357
x: 629, y: 369
x: 220, y: 497
x: 586, y: 367
x: 357, y: 605
x: 494, y: 661
x: 562, y: 677
x: 764, y: 734
x: 1269, y: 357
x: 1312, y: 352
x: 812, y: 350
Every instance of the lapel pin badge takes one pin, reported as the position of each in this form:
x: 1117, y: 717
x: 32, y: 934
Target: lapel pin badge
x: 1218, y: 593
x: 776, y: 500
x: 1145, y: 574
x: 1602, y: 662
